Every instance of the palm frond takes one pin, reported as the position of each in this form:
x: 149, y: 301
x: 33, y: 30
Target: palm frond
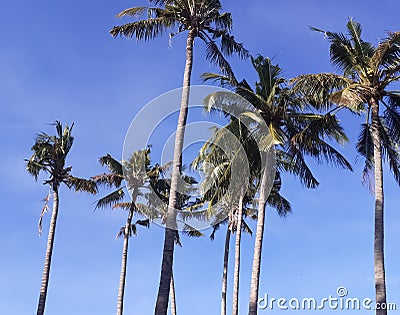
x: 114, y: 166
x: 108, y: 180
x: 365, y: 147
x: 246, y: 228
x: 390, y: 150
x: 111, y: 199
x: 82, y: 184
x: 216, y: 57
x: 145, y: 223
x: 191, y: 231
x: 143, y: 29
x: 316, y: 89
x: 278, y: 202
x: 392, y: 120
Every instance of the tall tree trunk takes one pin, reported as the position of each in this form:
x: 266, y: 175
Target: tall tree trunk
x: 49, y: 253
x: 170, y: 229
x: 122, y: 277
x: 225, y: 270
x: 172, y: 295
x: 255, y: 272
x: 379, y: 259
x: 235, y: 303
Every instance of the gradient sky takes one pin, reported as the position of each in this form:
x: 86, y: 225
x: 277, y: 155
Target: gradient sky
x: 57, y: 61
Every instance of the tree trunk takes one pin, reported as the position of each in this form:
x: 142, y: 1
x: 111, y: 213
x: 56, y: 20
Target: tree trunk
x: 235, y: 303
x: 122, y: 277
x: 379, y: 260
x: 170, y: 229
x: 255, y: 272
x: 225, y: 271
x: 49, y: 253
x: 172, y: 296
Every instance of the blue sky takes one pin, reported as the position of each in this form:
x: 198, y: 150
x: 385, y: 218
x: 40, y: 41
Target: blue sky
x: 57, y: 61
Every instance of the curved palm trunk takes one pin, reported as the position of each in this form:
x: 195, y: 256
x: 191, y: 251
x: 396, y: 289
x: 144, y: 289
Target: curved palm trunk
x: 379, y: 259
x: 225, y: 271
x: 49, y: 253
x: 122, y: 277
x: 255, y: 272
x: 235, y: 303
x: 172, y: 295
x: 169, y: 238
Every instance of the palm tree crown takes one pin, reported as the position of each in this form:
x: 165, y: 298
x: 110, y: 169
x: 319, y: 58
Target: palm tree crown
x: 200, y: 17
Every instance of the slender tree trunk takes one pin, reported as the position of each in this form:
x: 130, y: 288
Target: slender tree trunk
x: 122, y: 277
x: 225, y: 271
x: 235, y: 303
x: 170, y: 229
x: 379, y: 260
x: 49, y: 253
x: 255, y: 272
x: 172, y: 295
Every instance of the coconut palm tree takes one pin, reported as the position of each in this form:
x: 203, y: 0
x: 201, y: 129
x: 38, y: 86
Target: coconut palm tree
x: 297, y: 131
x: 136, y: 178
x: 200, y: 19
x: 364, y: 85
x: 49, y: 156
x: 213, y: 162
x: 216, y: 163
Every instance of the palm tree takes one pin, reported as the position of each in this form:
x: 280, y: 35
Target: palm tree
x: 49, y: 156
x: 135, y: 179
x: 364, y: 86
x: 296, y: 132
x: 216, y: 163
x: 201, y: 19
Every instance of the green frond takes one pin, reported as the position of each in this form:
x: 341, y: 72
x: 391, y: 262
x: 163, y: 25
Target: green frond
x: 316, y: 89
x: 222, y: 80
x: 223, y: 21
x: 391, y: 116
x: 135, y: 12
x: 108, y: 180
x: 365, y: 148
x: 145, y: 223
x: 81, y: 184
x: 114, y: 166
x: 294, y: 163
x: 282, y: 205
x: 191, y: 231
x: 390, y: 150
x: 246, y: 228
x: 230, y: 46
x: 143, y: 29
x: 34, y: 168
x: 111, y: 199
x: 216, y: 57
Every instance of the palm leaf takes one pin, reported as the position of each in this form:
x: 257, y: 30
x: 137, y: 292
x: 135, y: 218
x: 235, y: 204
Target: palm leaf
x: 114, y: 166
x: 365, y: 147
x: 82, y: 185
x: 111, y: 199
x: 390, y: 150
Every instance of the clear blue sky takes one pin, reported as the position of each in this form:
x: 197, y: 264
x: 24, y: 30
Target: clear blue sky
x: 57, y: 61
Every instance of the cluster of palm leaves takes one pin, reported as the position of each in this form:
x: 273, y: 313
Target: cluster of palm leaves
x: 295, y: 118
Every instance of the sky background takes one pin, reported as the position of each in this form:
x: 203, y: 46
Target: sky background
x: 58, y: 62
